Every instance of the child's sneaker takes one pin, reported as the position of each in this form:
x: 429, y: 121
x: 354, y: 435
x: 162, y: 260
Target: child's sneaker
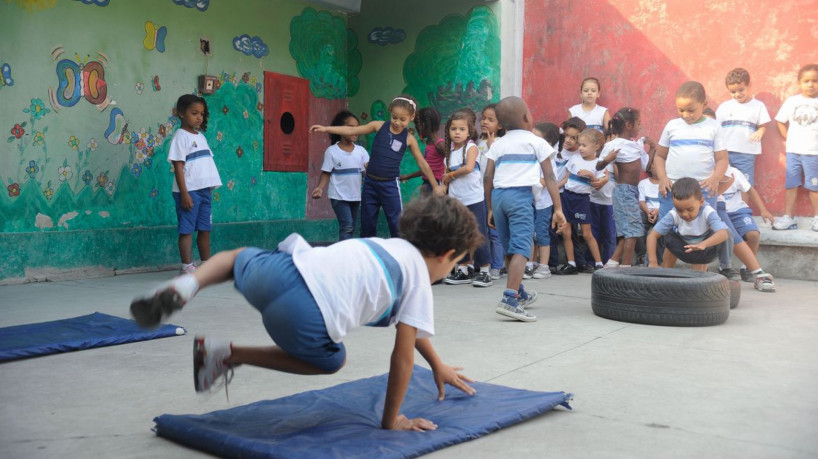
x: 542, y: 272
x: 524, y: 298
x: 509, y: 307
x: 786, y: 223
x: 566, y: 269
x: 586, y: 269
x: 208, y: 363
x: 529, y: 272
x: 814, y: 225
x: 495, y: 273
x: 458, y: 277
x: 764, y: 282
x: 482, y: 279
x: 148, y: 310
x: 187, y: 268
x: 747, y: 275
x: 729, y: 273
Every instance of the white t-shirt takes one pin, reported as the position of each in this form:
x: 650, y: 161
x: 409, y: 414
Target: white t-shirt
x: 649, y: 193
x: 691, y: 147
x: 629, y: 150
x: 482, y: 159
x: 802, y: 114
x: 374, y: 282
x: 200, y: 170
x: 517, y: 157
x: 345, y: 172
x: 732, y: 195
x: 575, y: 183
x: 558, y: 164
x: 739, y: 121
x: 604, y: 195
x: 468, y: 188
x: 693, y: 231
x: 593, y: 119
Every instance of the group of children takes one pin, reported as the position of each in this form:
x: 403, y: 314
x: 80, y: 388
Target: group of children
x: 511, y: 180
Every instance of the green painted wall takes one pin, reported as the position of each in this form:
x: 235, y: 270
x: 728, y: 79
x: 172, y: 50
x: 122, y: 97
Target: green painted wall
x: 63, y: 175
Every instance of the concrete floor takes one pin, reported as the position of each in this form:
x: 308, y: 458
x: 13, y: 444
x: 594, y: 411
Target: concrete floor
x: 745, y: 389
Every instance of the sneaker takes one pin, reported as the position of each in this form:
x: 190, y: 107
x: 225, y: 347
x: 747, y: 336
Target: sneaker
x: 524, y: 297
x: 509, y: 307
x: 542, y: 272
x: 746, y: 275
x: 471, y: 271
x: 188, y: 269
x: 787, y: 223
x: 764, y: 282
x: 149, y: 310
x: 729, y: 273
x: 208, y: 363
x: 586, y: 269
x: 553, y: 269
x: 457, y: 277
x: 566, y: 269
x: 503, y: 271
x: 482, y: 279
x: 814, y: 225
x: 528, y: 273
x: 495, y: 273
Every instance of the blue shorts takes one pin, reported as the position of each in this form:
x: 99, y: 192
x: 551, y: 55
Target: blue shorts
x: 746, y: 163
x: 513, y: 210
x: 743, y: 221
x: 802, y: 170
x: 200, y: 217
x: 627, y: 214
x: 542, y: 226
x: 576, y: 207
x: 270, y: 282
x: 676, y: 245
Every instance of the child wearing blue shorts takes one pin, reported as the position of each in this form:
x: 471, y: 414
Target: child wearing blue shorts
x: 195, y: 176
x: 307, y: 307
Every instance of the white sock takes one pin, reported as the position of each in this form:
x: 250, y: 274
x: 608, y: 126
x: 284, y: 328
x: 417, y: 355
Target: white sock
x: 484, y: 269
x: 614, y: 264
x: 529, y: 265
x: 743, y: 266
x: 573, y: 263
x: 598, y: 264
x: 758, y: 271
x: 463, y: 269
x: 186, y: 285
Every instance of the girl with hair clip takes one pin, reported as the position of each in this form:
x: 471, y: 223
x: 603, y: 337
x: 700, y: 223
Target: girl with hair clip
x: 465, y: 183
x: 490, y: 130
x: 381, y: 187
x: 427, y: 123
x: 595, y: 116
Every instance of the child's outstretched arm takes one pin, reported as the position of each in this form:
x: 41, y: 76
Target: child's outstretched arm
x: 755, y: 198
x: 363, y: 129
x: 424, y: 166
x: 444, y: 374
x: 715, y: 239
x: 400, y: 372
x: 607, y: 160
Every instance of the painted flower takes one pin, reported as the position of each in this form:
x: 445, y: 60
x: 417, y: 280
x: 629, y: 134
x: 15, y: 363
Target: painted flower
x: 32, y: 169
x: 37, y: 109
x: 143, y: 134
x: 218, y: 84
x: 163, y: 130
x: 151, y: 140
x: 73, y: 142
x: 39, y: 138
x: 150, y: 151
x: 219, y: 136
x: 259, y: 106
x: 258, y: 87
x: 255, y: 145
x: 231, y: 184
x: 148, y: 163
x: 140, y: 145
x: 154, y: 192
x: 216, y: 196
x: 246, y: 77
x: 126, y: 137
x: 102, y: 179
x: 87, y: 177
x: 64, y: 172
x: 245, y: 114
x: 136, y: 169
x: 140, y: 86
x: 239, y: 151
x: 92, y: 144
x: 110, y: 187
x: 14, y: 190
x: 17, y: 131
x: 225, y: 110
x: 48, y: 192
x: 139, y: 156
x: 253, y: 80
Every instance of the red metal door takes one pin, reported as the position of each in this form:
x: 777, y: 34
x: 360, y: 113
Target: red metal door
x: 286, y: 123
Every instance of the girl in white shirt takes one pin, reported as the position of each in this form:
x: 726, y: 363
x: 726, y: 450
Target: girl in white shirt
x: 595, y: 116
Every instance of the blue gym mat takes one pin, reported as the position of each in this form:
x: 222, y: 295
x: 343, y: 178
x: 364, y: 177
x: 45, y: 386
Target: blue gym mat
x: 344, y: 421
x: 84, y: 332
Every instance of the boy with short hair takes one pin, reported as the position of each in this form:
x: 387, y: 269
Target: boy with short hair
x: 307, y: 305
x: 743, y: 120
x: 513, y: 169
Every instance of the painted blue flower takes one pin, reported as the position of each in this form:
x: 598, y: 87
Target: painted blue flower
x: 87, y: 177
x: 136, y: 170
x: 32, y: 169
x: 148, y: 162
x: 37, y: 109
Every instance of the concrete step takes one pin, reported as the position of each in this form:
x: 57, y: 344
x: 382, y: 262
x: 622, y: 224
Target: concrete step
x: 791, y: 254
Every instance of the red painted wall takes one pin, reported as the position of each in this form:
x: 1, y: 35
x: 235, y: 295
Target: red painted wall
x: 641, y: 50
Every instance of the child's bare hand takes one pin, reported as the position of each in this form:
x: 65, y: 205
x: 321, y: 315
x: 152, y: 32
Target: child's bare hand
x: 187, y: 201
x: 491, y: 219
x: 449, y: 375
x: 756, y: 136
x: 439, y: 190
x: 710, y: 185
x: 317, y: 193
x: 650, y: 143
x: 694, y: 247
x: 653, y: 264
x: 318, y: 128
x: 416, y: 424
x: 767, y: 217
x: 558, y: 221
x: 664, y: 186
x: 653, y: 215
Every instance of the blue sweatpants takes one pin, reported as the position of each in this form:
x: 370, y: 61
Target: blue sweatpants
x: 377, y: 194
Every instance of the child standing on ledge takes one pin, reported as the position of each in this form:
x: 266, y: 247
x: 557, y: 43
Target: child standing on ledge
x: 195, y: 177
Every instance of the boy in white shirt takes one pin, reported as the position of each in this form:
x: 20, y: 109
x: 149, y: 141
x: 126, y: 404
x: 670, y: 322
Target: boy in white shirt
x: 307, y: 305
x: 743, y: 120
x: 519, y: 157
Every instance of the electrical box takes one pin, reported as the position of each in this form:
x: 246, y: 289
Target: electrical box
x: 207, y: 84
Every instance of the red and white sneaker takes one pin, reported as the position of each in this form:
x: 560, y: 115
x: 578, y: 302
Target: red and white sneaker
x: 209, y: 363
x: 764, y: 282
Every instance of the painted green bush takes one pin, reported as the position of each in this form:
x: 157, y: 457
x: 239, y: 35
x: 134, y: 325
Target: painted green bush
x: 456, y: 63
x: 318, y: 43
